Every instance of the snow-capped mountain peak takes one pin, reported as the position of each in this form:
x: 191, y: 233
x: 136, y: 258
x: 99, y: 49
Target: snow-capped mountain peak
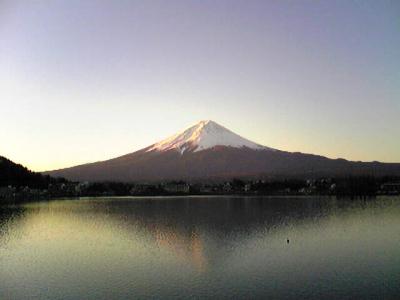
x: 204, y: 135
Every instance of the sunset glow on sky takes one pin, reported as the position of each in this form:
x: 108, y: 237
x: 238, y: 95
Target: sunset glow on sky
x: 82, y: 81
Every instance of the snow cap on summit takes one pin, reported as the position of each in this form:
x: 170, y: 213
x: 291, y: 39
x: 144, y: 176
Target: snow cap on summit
x: 204, y: 135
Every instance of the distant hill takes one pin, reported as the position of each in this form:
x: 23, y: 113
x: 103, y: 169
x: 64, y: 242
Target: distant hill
x: 207, y: 151
x: 17, y: 175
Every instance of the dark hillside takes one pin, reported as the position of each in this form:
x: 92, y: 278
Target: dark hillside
x: 17, y: 175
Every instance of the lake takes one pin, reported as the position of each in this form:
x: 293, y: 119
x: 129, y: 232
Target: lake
x: 201, y: 247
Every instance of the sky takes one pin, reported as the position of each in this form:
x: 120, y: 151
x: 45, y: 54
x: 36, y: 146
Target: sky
x: 83, y: 81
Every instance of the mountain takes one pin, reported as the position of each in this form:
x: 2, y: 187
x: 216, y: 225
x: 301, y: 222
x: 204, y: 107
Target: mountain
x: 17, y: 175
x: 204, y: 135
x: 208, y: 150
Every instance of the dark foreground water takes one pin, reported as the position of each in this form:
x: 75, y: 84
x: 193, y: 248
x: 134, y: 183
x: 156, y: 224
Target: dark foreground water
x: 201, y: 247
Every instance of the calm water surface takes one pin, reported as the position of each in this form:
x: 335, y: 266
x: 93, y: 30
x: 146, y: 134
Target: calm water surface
x: 201, y: 247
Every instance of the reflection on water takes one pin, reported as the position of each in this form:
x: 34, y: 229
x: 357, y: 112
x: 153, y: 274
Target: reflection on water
x: 207, y: 247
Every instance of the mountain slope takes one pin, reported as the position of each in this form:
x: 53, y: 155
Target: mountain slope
x: 210, y: 151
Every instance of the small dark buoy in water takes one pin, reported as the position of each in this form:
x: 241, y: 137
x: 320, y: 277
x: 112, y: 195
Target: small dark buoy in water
x: 287, y: 241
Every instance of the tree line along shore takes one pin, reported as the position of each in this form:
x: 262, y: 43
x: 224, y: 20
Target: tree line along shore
x: 18, y: 184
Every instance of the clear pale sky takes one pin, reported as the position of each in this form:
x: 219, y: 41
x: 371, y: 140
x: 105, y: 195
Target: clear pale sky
x: 83, y: 81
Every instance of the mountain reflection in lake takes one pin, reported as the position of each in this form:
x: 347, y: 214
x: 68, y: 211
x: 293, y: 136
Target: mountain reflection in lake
x: 201, y: 247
